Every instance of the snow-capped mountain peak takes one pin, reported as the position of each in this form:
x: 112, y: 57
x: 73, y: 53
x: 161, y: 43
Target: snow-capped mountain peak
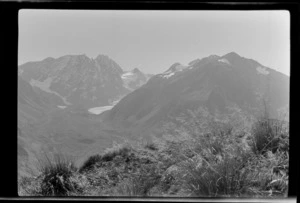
x: 134, y: 79
x: 174, y: 69
x: 76, y: 79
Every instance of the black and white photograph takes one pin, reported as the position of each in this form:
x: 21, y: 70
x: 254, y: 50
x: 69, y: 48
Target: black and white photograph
x: 153, y: 103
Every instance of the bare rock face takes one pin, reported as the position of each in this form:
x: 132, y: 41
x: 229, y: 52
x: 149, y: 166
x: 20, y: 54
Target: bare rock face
x: 76, y: 79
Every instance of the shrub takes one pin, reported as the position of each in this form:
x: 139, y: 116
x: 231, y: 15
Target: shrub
x: 196, y: 156
x: 120, y: 164
x: 151, y: 146
x: 147, y: 178
x: 109, y: 154
x: 28, y: 186
x: 90, y: 162
x: 217, y: 176
x: 117, y: 150
x: 269, y: 174
x: 269, y: 135
x: 139, y: 183
x: 56, y: 177
x: 210, y: 154
x: 127, y: 187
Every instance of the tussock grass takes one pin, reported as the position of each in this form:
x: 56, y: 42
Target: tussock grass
x: 139, y: 183
x: 151, y: 146
x: 118, y: 150
x: 198, y: 155
x: 269, y: 135
x: 28, y: 187
x: 56, y: 176
x: 221, y: 162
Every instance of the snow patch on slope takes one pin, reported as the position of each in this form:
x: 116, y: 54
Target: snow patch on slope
x: 212, y: 57
x: 261, y: 70
x: 45, y: 86
x: 168, y: 74
x: 127, y: 75
x: 99, y: 110
x: 128, y: 78
x: 194, y: 62
x: 179, y: 68
x: 133, y: 79
x: 174, y: 69
x: 223, y: 60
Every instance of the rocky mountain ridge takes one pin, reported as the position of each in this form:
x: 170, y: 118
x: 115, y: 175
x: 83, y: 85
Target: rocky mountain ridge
x: 80, y: 81
x: 214, y: 82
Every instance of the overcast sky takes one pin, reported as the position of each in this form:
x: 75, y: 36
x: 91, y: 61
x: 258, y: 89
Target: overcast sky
x: 154, y: 40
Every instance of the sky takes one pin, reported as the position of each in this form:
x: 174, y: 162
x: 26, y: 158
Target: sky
x: 154, y: 40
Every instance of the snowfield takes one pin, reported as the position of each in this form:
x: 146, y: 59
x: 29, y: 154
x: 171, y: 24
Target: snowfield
x: 99, y: 110
x: 224, y: 61
x: 176, y: 69
x: 45, y: 86
x: 262, y: 70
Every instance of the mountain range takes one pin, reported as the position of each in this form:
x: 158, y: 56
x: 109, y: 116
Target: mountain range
x: 214, y: 82
x: 76, y: 80
x: 54, y: 96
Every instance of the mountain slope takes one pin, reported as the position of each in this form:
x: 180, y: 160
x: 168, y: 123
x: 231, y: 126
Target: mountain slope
x: 32, y: 109
x: 53, y: 118
x: 76, y: 79
x: 214, y: 82
x: 54, y: 96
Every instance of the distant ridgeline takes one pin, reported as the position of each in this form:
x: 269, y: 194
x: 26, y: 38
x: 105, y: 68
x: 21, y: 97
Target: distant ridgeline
x: 214, y: 82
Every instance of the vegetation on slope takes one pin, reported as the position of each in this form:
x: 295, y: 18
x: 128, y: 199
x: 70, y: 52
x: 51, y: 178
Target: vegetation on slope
x: 199, y: 154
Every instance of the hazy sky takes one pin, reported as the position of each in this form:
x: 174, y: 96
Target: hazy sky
x: 154, y: 40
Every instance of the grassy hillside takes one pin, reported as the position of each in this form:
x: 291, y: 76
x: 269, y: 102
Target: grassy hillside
x: 198, y: 154
x: 61, y: 131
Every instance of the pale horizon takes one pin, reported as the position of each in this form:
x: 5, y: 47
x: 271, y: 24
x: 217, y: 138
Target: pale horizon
x: 154, y: 40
